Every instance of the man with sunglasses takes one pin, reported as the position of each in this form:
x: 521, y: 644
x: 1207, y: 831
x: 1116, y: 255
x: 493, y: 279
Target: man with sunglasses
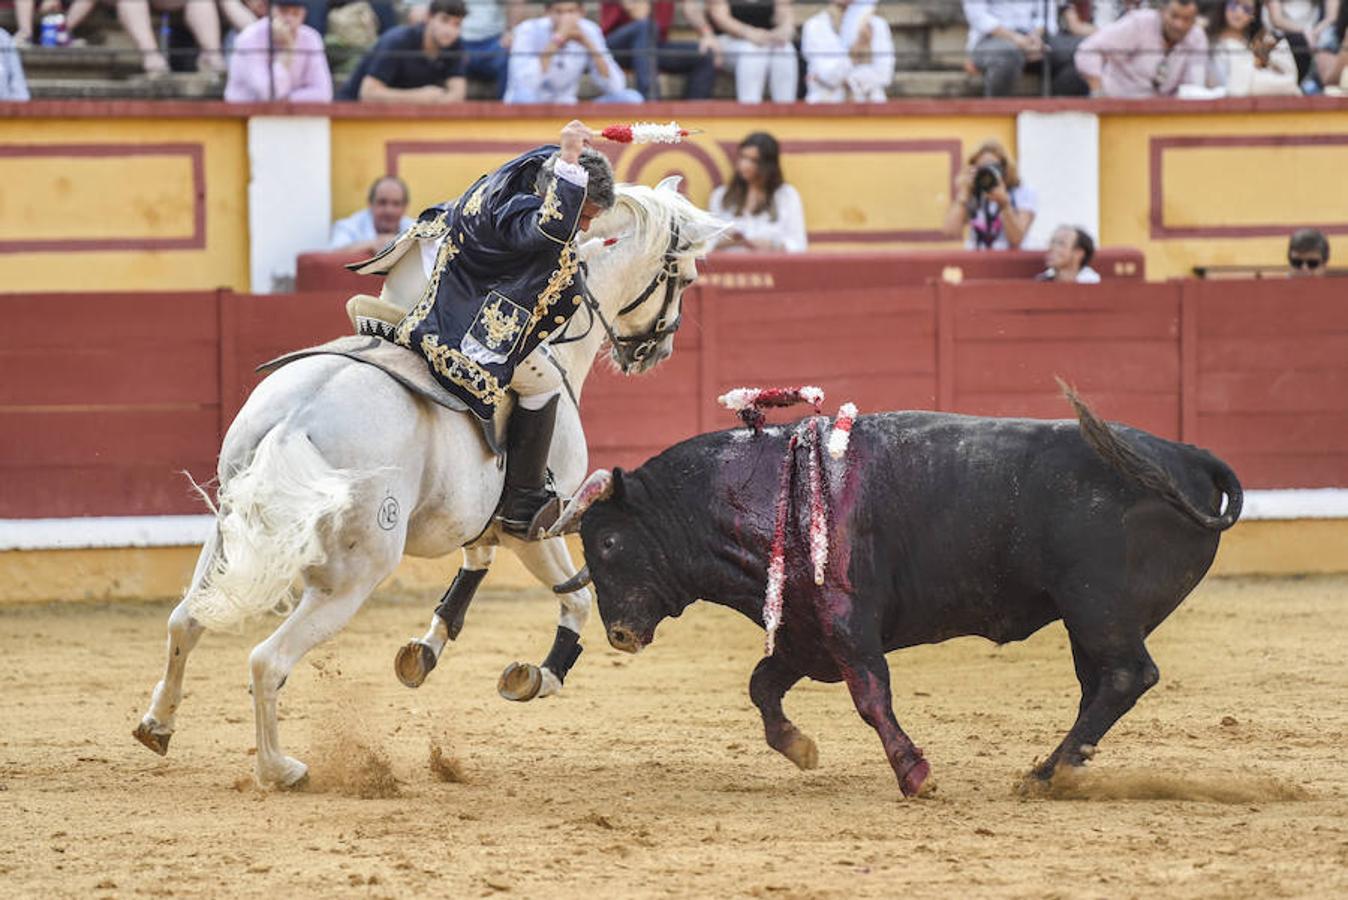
x: 1307, y: 254
x: 1147, y: 53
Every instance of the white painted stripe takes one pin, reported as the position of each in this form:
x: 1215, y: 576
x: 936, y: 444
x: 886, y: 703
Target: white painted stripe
x: 188, y: 531
x: 1059, y: 156
x: 1308, y: 503
x: 289, y: 195
x: 104, y: 531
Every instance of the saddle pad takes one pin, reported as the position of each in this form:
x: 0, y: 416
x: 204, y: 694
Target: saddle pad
x: 405, y: 367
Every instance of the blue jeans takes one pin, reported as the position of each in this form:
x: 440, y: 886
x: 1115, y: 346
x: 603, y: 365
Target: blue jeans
x: 488, y: 61
x: 636, y: 46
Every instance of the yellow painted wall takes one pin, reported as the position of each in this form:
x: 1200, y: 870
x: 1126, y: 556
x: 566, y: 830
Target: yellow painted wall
x: 877, y: 190
x: 867, y: 190
x: 1279, y: 187
x: 61, y: 193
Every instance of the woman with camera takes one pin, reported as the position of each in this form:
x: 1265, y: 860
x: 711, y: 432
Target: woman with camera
x: 991, y: 201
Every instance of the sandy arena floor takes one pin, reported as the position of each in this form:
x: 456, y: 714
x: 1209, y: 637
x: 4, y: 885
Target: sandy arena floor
x: 650, y: 776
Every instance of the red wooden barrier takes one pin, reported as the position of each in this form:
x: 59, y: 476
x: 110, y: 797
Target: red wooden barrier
x: 105, y: 399
x: 1266, y: 379
x: 1002, y: 343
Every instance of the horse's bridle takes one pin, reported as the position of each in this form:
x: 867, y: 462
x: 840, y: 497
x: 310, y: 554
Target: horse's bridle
x: 632, y: 349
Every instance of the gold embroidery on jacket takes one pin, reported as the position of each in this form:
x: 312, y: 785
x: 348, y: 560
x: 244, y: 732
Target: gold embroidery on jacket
x: 501, y: 327
x: 474, y: 204
x: 403, y: 335
x: 561, y: 279
x: 552, y: 205
x: 458, y: 368
x: 431, y: 229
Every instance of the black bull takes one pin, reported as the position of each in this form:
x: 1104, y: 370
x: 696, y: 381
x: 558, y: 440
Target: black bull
x: 941, y: 526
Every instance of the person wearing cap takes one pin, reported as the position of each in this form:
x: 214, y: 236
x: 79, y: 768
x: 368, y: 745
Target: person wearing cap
x: 279, y: 58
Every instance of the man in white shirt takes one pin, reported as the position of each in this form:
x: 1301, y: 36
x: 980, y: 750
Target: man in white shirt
x: 1007, y: 35
x: 839, y: 68
x: 365, y: 232
x: 1068, y: 258
x: 549, y: 54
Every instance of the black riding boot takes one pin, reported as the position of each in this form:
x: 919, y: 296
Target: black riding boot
x: 529, y: 506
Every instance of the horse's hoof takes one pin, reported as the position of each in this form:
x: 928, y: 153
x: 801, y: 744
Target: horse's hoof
x: 914, y: 782
x: 520, y: 681
x: 156, y: 741
x: 299, y: 784
x: 291, y: 775
x: 414, y: 662
x: 802, y: 751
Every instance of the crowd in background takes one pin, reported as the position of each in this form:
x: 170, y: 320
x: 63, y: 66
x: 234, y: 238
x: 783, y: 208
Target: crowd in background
x: 558, y: 52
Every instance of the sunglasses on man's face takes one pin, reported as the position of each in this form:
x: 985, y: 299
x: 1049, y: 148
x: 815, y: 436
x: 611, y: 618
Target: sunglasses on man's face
x: 1300, y: 262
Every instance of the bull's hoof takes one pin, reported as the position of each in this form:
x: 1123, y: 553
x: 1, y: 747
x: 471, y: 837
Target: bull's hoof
x: 914, y: 782
x: 156, y: 741
x: 520, y: 682
x: 414, y: 662
x: 802, y: 751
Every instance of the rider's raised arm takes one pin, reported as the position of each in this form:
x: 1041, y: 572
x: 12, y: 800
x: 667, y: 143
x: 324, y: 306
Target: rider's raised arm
x: 525, y: 220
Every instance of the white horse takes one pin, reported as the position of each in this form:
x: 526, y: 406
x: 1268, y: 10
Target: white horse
x: 332, y: 471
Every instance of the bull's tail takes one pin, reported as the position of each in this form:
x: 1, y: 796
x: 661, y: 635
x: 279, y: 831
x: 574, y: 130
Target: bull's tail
x: 1116, y: 451
x: 271, y: 521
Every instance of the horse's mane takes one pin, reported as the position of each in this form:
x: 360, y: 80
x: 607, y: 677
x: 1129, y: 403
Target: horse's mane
x: 656, y: 209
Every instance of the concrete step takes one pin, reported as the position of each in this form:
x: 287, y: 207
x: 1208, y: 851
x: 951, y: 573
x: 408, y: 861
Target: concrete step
x: 186, y: 86
x: 72, y: 63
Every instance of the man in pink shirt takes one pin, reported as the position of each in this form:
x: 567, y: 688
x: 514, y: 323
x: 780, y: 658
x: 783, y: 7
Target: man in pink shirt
x: 279, y: 58
x: 1147, y: 53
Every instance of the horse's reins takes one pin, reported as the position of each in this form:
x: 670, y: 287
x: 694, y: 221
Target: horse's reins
x: 645, y: 343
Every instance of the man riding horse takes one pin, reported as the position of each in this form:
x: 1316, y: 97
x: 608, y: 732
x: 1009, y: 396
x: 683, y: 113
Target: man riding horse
x: 505, y: 276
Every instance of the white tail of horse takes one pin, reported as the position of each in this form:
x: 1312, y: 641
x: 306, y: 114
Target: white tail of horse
x: 272, y: 517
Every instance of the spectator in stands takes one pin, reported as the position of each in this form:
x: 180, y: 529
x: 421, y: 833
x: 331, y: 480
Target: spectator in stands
x: 279, y: 58
x: 134, y: 16
x: 1308, y: 26
x: 415, y: 63
x: 765, y: 213
x: 487, y: 32
x: 838, y: 70
x: 1147, y: 53
x: 1334, y: 66
x: 12, y: 83
x: 755, y: 40
x: 1246, y: 58
x: 1307, y: 254
x: 638, y: 35
x: 550, y: 53
x: 1007, y: 35
x: 1069, y: 257
x: 385, y: 15
x: 367, y: 231
x: 991, y: 201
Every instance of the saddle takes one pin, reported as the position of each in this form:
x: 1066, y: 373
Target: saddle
x: 373, y: 345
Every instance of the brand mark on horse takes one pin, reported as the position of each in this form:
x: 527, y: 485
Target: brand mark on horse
x: 387, y: 516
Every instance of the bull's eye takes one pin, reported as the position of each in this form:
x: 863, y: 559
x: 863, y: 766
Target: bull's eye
x: 608, y: 542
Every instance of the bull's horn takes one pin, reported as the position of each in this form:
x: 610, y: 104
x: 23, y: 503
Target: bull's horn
x: 574, y: 583
x: 599, y: 486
